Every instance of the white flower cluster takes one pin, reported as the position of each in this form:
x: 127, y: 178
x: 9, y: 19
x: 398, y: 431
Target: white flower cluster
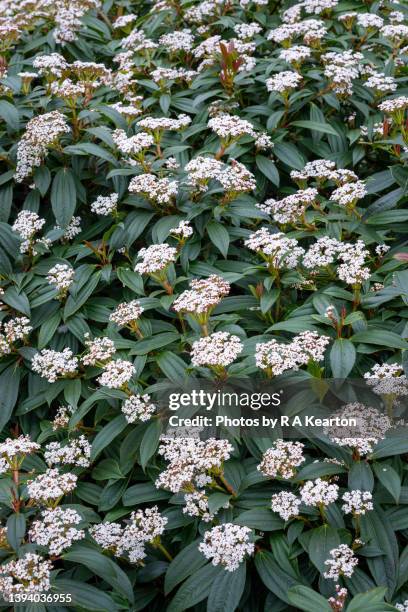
x: 291, y: 208
x: 348, y: 194
x: 157, y: 124
x: 217, y: 349
x: 319, y: 493
x: 76, y: 452
x: 387, y: 379
x: 27, y: 224
x: 276, y: 358
x: 68, y: 16
x: 352, y: 269
x: 246, y: 31
x: 105, y: 205
x: 155, y: 258
x: 381, y: 83
x: 132, y: 145
x: 341, y: 563
x: 73, y: 229
x: 230, y: 127
x: 107, y: 535
x: 278, y: 250
x: 13, y: 451
x: 189, y: 459
x: 116, y: 374
x: 201, y: 170
x: 42, y: 132
x: 99, y: 350
x: 52, y: 364
x: 157, y: 190
x: 123, y: 21
x: 11, y: 331
x: 177, y: 41
x: 234, y: 178
x: 30, y: 574
x: 183, y: 230
x: 50, y: 65
x: 341, y: 70
x: 371, y: 427
x: 227, y: 545
x: 312, y: 30
x: 145, y: 526
x: 126, y: 313
x: 197, y: 505
x: 61, y: 276
x: 286, y: 504
x: 357, y: 502
x: 138, y: 408
x: 395, y: 105
x: 62, y: 417
x: 57, y: 529
x: 203, y: 296
x: 282, y: 459
x: 284, y: 81
x: 51, y: 486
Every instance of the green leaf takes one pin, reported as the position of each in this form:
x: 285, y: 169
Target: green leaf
x: 88, y: 148
x: 150, y: 441
x: 361, y: 476
x: 144, y: 492
x: 63, y: 196
x: 376, y: 529
x: 42, y: 179
x: 369, y: 601
x: 289, y: 155
x: 227, y: 590
x: 322, y: 540
x: 48, y: 329
x: 131, y: 279
x: 316, y: 127
x: 381, y: 337
x: 318, y: 469
x: 273, y: 577
x: 107, y: 434
x: 17, y: 300
x: 84, y: 595
x: 389, y: 479
x: 9, y: 385
x: 268, y: 169
x: 9, y: 113
x: 102, y: 566
x: 16, y: 526
x: 155, y: 342
x: 396, y: 443
x: 259, y: 518
x: 304, y: 598
x: 74, y: 303
x: 187, y: 562
x: 219, y: 237
x: 387, y: 217
x: 342, y: 357
x: 195, y: 589
x: 107, y: 469
x: 172, y: 366
x: 217, y: 501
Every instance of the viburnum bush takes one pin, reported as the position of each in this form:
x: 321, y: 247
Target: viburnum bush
x: 204, y: 189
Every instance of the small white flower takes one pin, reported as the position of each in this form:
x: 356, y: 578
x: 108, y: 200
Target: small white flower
x: 116, y: 374
x: 227, y: 545
x: 341, y: 563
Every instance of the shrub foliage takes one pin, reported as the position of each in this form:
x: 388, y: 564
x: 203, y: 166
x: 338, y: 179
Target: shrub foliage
x: 205, y: 189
